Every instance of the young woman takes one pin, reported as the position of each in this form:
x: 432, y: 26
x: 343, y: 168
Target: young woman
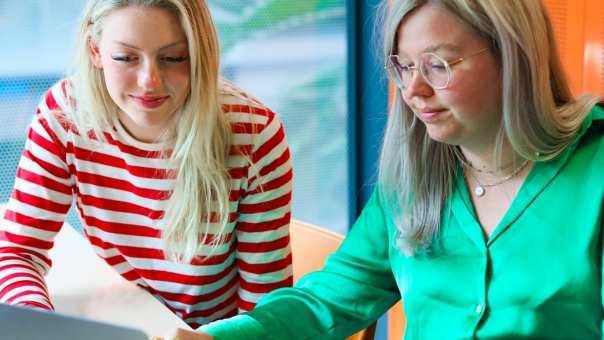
x: 487, y: 219
x: 182, y: 181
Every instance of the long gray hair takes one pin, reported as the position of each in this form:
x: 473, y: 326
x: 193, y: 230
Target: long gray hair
x: 540, y: 116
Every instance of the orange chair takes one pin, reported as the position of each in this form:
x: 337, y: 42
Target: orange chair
x: 310, y: 247
x: 396, y: 322
x: 316, y: 243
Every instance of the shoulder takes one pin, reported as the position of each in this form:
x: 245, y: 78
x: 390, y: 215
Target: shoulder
x: 240, y: 107
x: 256, y: 129
x: 590, y: 139
x: 597, y: 114
x: 56, y: 107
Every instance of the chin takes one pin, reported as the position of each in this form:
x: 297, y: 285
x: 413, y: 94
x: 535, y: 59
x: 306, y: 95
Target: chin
x: 443, y: 140
x: 445, y: 137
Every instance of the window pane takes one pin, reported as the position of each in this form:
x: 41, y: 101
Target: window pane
x: 37, y: 41
x: 292, y: 56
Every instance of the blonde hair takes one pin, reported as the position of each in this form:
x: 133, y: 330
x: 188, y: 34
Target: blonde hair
x: 198, y: 210
x: 540, y: 117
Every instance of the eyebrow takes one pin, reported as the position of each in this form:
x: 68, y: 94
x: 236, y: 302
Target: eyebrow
x: 161, y: 48
x: 439, y: 47
x: 443, y: 46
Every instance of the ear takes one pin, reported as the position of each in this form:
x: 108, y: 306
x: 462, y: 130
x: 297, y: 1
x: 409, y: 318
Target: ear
x: 94, y: 53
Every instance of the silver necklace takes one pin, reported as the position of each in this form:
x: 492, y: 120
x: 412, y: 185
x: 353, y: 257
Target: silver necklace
x: 480, y: 188
x: 490, y: 172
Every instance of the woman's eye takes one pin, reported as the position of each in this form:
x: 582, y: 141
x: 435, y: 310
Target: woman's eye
x: 438, y: 67
x: 174, y: 59
x: 122, y: 58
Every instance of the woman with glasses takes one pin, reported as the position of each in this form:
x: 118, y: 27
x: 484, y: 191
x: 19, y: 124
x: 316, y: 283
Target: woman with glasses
x: 182, y: 181
x: 487, y: 218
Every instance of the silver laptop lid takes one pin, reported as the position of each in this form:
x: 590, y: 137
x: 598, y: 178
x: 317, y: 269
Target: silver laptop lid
x: 22, y: 323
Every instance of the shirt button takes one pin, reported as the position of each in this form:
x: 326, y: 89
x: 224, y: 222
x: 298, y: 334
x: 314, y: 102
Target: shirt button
x: 478, y: 309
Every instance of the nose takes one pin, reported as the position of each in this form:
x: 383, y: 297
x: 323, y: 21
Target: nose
x: 418, y: 86
x: 149, y: 75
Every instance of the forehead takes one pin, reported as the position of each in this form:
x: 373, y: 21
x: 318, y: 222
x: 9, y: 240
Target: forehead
x: 431, y: 28
x: 137, y: 24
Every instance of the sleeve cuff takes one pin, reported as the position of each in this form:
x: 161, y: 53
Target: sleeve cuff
x: 239, y: 327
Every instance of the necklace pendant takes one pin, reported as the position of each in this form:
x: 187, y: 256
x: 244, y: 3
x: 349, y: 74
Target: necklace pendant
x: 479, y: 191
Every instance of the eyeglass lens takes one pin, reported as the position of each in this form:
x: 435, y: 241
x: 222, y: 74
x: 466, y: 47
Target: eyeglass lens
x: 433, y: 69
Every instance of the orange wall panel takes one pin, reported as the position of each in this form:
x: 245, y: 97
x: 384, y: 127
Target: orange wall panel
x: 593, y: 73
x: 579, y: 30
x: 568, y: 19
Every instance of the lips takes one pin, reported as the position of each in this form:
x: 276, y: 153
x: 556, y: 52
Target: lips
x: 429, y: 115
x: 150, y: 102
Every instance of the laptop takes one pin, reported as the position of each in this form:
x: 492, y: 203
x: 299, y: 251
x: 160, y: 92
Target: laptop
x: 22, y: 323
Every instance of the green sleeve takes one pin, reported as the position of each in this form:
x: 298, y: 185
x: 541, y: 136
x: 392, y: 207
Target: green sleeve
x: 354, y: 288
x: 602, y: 271
x: 597, y: 114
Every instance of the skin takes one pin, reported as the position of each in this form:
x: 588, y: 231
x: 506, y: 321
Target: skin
x: 143, y: 53
x: 181, y: 334
x: 468, y: 112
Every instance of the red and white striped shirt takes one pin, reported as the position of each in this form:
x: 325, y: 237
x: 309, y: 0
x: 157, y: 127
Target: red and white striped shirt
x: 121, y: 187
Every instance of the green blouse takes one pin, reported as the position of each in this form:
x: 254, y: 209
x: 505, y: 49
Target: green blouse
x: 539, y: 275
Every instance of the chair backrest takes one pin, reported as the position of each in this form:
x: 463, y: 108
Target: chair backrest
x: 396, y: 322
x: 310, y: 247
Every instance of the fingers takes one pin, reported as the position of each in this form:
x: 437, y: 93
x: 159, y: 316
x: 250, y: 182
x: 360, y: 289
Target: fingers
x: 164, y: 338
x: 181, y: 334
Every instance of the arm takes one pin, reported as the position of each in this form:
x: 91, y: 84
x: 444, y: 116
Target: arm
x: 263, y: 251
x: 35, y: 212
x: 355, y: 287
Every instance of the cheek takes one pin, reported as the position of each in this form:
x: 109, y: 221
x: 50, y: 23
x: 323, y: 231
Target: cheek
x: 465, y: 86
x: 183, y: 75
x: 183, y: 80
x: 474, y: 93
x: 117, y: 79
x: 180, y: 79
x: 406, y: 99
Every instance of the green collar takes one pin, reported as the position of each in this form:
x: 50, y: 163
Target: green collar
x: 538, y: 178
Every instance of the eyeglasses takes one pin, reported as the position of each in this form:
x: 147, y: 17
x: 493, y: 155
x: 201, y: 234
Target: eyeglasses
x: 434, y: 69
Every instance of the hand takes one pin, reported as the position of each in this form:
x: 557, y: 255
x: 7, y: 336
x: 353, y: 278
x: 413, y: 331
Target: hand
x: 181, y: 334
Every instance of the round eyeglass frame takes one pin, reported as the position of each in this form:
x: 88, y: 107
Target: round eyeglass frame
x: 394, y: 68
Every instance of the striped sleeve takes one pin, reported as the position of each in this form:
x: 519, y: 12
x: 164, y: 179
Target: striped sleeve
x: 263, y: 248
x: 35, y: 212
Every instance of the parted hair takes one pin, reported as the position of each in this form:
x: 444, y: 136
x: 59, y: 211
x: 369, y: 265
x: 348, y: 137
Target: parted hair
x: 539, y: 118
x: 198, y: 207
